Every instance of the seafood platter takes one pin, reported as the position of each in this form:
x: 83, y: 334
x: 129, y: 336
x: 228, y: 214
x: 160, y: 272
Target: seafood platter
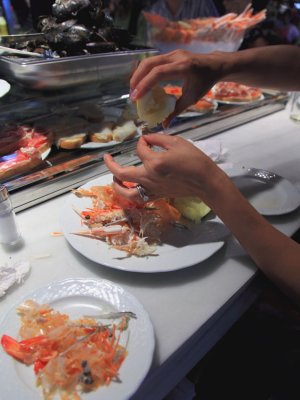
x: 203, y: 35
x: 75, y: 45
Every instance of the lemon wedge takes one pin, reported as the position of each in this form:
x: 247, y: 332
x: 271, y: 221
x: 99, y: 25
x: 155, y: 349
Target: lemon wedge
x: 191, y: 208
x: 155, y: 106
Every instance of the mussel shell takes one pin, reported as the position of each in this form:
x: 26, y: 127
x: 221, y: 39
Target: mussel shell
x: 101, y: 47
x: 66, y: 9
x: 77, y: 34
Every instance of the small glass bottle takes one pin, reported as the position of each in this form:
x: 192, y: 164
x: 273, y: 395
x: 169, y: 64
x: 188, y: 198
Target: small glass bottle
x: 9, y: 232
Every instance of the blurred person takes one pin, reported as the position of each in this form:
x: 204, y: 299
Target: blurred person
x: 260, y: 356
x: 286, y: 29
x: 125, y: 14
x: 263, y: 34
x: 235, y: 6
x: 176, y: 10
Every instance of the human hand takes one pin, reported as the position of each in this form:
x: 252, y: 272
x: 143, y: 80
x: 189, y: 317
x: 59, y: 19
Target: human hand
x: 199, y: 73
x: 179, y: 170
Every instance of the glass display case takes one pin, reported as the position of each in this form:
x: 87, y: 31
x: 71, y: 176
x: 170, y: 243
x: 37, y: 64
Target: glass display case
x: 81, y: 110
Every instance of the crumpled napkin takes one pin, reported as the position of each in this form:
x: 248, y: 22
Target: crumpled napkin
x: 9, y: 275
x: 212, y: 148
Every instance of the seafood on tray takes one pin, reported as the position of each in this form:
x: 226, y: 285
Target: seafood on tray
x: 203, y: 105
x: 228, y: 27
x: 134, y: 228
x: 21, y: 148
x: 69, y: 357
x: 235, y: 92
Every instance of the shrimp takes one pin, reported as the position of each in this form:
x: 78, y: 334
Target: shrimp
x: 206, y: 29
x: 68, y: 356
x: 123, y: 225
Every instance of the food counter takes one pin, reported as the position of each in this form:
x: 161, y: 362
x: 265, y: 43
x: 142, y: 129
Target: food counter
x: 192, y: 308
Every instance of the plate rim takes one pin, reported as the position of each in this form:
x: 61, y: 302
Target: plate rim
x: 236, y: 103
x: 151, y: 342
x: 6, y: 89
x: 103, y: 145
x: 200, y: 113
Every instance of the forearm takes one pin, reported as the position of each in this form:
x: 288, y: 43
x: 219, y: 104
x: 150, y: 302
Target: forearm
x: 274, y: 253
x: 274, y: 67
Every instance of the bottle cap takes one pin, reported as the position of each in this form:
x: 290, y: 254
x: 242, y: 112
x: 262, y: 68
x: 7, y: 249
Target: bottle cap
x: 3, y: 193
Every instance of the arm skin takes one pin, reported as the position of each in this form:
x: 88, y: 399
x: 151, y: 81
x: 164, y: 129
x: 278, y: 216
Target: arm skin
x: 197, y: 175
x: 275, y: 67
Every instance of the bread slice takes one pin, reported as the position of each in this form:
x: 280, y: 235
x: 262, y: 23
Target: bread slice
x: 104, y: 134
x: 71, y: 142
x: 125, y: 131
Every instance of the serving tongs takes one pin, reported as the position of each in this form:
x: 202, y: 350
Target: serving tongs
x: 7, y: 51
x: 20, y: 38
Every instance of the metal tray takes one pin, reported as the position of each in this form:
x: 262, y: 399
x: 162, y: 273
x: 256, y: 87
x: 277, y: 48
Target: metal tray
x: 60, y: 73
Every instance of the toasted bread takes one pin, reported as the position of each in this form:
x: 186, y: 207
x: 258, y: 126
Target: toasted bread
x: 104, y: 134
x: 71, y: 142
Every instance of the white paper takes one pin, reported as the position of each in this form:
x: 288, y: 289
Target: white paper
x: 9, y: 275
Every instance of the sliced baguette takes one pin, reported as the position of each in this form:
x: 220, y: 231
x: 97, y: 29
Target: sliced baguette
x: 71, y: 142
x: 104, y: 134
x: 125, y: 131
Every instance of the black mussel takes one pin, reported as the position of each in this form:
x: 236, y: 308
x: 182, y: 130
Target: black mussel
x: 46, y: 22
x: 68, y: 24
x: 101, y: 47
x: 66, y: 9
x: 76, y: 35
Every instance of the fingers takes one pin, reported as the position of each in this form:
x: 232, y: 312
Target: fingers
x: 154, y: 139
x: 144, y: 68
x: 156, y: 75
x: 129, y: 194
x: 131, y: 173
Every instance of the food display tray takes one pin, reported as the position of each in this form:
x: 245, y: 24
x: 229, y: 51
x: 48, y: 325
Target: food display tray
x: 61, y: 73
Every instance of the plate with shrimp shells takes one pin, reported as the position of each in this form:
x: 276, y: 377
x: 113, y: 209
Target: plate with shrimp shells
x: 179, y: 248
x: 78, y: 297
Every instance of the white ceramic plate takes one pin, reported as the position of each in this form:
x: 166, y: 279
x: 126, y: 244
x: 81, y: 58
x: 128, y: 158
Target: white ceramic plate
x: 179, y: 248
x: 4, y: 87
x: 46, y: 153
x: 78, y: 297
x: 240, y: 103
x: 269, y: 193
x: 192, y: 114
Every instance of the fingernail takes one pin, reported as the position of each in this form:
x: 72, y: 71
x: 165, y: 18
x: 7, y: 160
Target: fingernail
x: 133, y: 94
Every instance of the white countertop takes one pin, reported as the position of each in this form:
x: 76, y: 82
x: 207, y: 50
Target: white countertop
x: 179, y: 303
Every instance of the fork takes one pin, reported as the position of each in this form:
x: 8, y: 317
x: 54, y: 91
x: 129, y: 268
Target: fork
x: 113, y: 315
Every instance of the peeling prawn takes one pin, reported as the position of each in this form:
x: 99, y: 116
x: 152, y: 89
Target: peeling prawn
x: 123, y: 225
